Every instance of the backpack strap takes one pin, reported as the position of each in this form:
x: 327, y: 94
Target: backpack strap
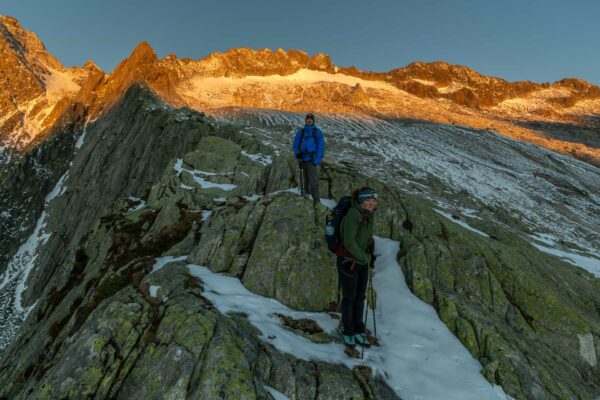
x: 301, y: 139
x: 314, y: 135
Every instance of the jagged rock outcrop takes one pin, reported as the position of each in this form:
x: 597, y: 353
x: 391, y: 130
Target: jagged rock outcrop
x: 118, y: 159
x: 243, y: 62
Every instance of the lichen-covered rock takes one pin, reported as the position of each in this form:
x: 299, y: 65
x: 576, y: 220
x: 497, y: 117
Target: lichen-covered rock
x: 289, y: 260
x: 507, y: 302
x: 118, y: 341
x: 227, y: 236
x: 90, y: 362
x: 333, y: 385
x: 305, y: 376
x: 217, y: 168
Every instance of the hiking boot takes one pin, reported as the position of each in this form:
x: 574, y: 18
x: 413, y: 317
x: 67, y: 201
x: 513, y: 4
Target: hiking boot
x: 362, y: 340
x: 349, y: 341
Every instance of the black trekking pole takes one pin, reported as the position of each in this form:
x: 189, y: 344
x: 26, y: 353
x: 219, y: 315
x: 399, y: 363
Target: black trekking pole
x: 362, y: 350
x: 373, y: 302
x: 301, y: 173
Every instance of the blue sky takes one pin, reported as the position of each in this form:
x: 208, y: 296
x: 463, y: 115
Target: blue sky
x: 515, y: 40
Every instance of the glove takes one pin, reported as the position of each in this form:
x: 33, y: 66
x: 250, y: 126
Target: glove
x: 372, y: 262
x: 299, y: 156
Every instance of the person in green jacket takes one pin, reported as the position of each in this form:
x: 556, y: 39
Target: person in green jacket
x: 356, y: 232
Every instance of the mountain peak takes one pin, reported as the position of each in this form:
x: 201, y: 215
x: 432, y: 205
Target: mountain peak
x: 7, y: 19
x: 18, y: 38
x: 91, y: 66
x: 143, y: 53
x: 10, y: 22
x: 322, y: 62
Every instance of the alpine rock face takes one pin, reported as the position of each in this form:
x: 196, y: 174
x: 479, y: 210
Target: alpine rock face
x: 36, y: 90
x: 153, y: 242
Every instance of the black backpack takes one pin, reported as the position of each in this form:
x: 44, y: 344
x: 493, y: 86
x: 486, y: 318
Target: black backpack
x: 333, y: 224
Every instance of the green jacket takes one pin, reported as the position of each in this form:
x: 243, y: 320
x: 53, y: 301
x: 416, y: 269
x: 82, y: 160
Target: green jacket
x: 356, y: 232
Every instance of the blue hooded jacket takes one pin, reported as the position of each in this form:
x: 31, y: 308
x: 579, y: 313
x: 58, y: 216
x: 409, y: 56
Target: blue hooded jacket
x: 311, y: 150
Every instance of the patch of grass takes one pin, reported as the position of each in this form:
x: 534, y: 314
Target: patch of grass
x: 109, y: 286
x: 303, y: 324
x: 363, y: 371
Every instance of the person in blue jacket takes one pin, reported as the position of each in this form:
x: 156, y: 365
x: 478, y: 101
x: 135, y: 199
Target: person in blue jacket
x: 309, y: 149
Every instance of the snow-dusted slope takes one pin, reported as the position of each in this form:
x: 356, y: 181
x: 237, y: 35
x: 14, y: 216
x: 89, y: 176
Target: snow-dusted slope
x: 35, y: 113
x: 14, y: 280
x: 532, y: 189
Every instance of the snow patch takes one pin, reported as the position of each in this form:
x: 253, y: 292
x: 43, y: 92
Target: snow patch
x: 453, y: 87
x: 23, y: 261
x: 329, y: 203
x: 424, y: 82
x: 162, y: 261
x: 422, y: 358
x: 587, y: 349
x: 260, y: 158
x: 154, y: 290
x: 197, y: 176
x: 419, y: 357
x: 253, y: 197
x: 141, y: 204
x: 277, y: 395
x: 461, y: 223
x: 205, y: 86
x: 58, y: 189
x: 590, y: 264
x: 20, y: 266
x: 81, y: 138
x: 59, y: 84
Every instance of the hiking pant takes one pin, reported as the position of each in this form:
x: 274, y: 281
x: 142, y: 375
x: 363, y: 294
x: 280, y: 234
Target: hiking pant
x: 310, y: 183
x: 354, y: 287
